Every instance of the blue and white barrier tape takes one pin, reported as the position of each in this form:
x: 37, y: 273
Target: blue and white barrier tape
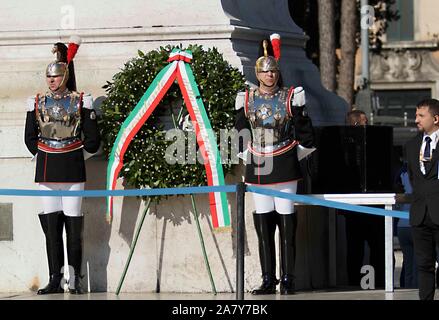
x: 116, y: 193
x: 328, y: 203
x: 194, y: 190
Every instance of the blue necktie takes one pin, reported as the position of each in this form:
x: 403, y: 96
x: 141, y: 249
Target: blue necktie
x: 427, y: 152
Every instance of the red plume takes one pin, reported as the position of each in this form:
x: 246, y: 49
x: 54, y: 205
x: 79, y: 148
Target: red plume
x: 74, y: 43
x: 275, y: 43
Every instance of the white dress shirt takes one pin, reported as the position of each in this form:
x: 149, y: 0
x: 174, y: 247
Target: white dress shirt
x: 434, y: 140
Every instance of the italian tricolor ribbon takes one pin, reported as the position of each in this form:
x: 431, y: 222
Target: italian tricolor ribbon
x: 180, y: 70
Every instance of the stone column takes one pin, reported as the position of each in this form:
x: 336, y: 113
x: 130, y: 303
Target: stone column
x: 255, y: 20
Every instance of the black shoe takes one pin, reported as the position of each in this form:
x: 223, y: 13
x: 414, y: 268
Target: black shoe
x: 268, y: 285
x: 287, y: 285
x: 54, y: 285
x: 78, y: 287
x: 76, y: 291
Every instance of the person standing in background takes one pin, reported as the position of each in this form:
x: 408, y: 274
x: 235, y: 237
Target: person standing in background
x: 363, y: 228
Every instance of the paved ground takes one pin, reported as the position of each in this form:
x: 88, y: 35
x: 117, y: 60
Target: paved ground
x: 399, y: 294
x: 336, y: 294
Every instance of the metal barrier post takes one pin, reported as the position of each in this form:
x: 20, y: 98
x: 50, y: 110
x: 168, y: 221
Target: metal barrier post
x: 388, y: 235
x: 332, y: 247
x: 240, y: 233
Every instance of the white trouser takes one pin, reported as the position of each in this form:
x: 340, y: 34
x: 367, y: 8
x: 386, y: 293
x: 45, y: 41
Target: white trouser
x: 264, y: 204
x: 71, y: 206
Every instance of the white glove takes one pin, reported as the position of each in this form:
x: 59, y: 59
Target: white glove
x: 30, y: 104
x: 240, y: 100
x: 299, y: 97
x: 88, y: 155
x: 303, y: 152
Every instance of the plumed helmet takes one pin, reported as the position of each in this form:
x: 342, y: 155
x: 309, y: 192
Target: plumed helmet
x: 63, y: 64
x: 59, y: 66
x: 269, y: 55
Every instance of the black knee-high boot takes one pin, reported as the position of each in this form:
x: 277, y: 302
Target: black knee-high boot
x: 52, y: 225
x: 265, y: 225
x: 74, y: 231
x: 287, y: 230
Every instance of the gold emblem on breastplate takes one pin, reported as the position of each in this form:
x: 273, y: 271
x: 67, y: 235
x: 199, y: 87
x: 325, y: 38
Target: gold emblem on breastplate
x: 264, y: 111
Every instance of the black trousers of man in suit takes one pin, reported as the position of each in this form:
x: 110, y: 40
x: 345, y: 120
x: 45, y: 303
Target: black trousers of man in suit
x: 424, y: 215
x: 426, y: 239
x: 361, y: 228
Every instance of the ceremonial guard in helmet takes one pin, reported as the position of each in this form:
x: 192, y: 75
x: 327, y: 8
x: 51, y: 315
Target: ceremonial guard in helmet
x: 59, y: 126
x: 278, y: 124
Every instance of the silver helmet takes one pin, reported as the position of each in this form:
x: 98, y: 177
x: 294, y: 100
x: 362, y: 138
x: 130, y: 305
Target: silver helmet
x: 63, y: 64
x: 269, y: 62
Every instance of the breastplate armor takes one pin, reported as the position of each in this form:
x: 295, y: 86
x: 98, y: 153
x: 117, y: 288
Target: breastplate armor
x: 270, y: 123
x: 59, y: 120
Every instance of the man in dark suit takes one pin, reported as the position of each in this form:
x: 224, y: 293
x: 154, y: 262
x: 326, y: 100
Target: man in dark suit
x: 363, y: 228
x: 423, y: 161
